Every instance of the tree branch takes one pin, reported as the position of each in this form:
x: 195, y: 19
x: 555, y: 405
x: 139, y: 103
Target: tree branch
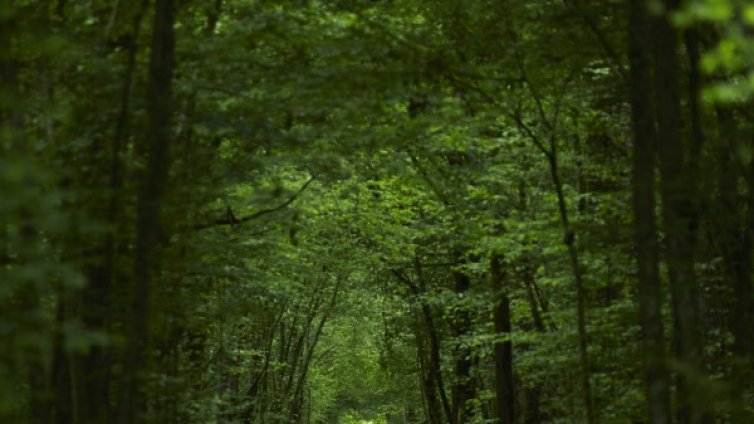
x: 232, y: 220
x: 593, y: 26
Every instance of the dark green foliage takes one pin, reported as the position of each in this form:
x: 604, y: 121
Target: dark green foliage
x: 443, y: 212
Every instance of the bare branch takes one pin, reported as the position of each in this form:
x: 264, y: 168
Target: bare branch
x: 231, y: 220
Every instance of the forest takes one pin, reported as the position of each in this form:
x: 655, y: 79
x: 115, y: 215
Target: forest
x: 376, y: 211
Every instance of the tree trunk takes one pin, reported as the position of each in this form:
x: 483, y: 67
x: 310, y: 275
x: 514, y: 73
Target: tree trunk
x: 532, y: 411
x: 149, y: 228
x: 678, y: 212
x: 505, y: 397
x: 649, y: 295
x: 527, y: 275
x: 434, y: 367
x: 298, y: 394
x: 435, y: 361
x: 569, y: 239
x: 463, y: 388
x: 429, y: 390
x: 743, y: 306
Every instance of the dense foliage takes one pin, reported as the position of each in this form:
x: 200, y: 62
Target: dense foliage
x: 395, y: 211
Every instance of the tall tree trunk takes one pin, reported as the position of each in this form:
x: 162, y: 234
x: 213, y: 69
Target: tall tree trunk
x: 62, y: 398
x: 463, y: 387
x: 532, y: 412
x: 435, y: 358
x: 678, y: 212
x: 149, y: 227
x: 743, y: 306
x: 505, y: 398
x: 569, y: 239
x: 549, y: 148
x: 734, y: 239
x: 649, y: 295
x: 434, y: 367
x: 429, y: 390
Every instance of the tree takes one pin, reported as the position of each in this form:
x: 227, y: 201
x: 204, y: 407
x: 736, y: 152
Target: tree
x: 396, y: 212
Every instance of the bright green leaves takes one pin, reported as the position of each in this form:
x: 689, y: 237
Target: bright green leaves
x: 705, y: 10
x: 730, y: 59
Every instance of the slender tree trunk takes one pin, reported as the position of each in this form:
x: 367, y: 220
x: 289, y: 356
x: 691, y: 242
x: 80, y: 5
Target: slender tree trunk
x: 532, y: 413
x: 298, y: 394
x: 731, y: 235
x: 435, y: 359
x: 253, y: 394
x: 531, y: 297
x: 505, y: 397
x: 434, y: 367
x: 463, y: 388
x: 149, y: 229
x: 429, y: 390
x: 691, y: 42
x: 743, y: 306
x: 697, y: 198
x: 569, y: 239
x: 60, y: 379
x: 435, y: 362
x: 649, y: 293
x: 678, y: 214
x: 735, y: 240
x: 297, y: 354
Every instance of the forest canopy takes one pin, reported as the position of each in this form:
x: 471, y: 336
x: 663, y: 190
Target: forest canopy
x: 384, y: 211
